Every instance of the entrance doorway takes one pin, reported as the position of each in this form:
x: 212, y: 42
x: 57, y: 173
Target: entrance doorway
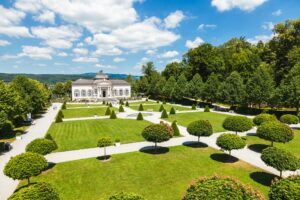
x: 104, y: 93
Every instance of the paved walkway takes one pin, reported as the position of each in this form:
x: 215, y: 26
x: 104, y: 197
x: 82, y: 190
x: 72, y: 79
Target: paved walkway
x: 7, y: 185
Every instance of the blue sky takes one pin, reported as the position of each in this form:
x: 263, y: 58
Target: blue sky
x: 119, y: 36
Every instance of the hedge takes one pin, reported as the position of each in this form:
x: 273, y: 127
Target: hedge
x: 261, y: 118
x: 275, y: 131
x: 289, y: 119
x: 288, y: 188
x: 36, y: 191
x: 237, y: 124
x: 230, y: 142
x: 41, y: 146
x: 200, y: 128
x: 208, y: 188
x: 126, y: 196
x: 140, y: 116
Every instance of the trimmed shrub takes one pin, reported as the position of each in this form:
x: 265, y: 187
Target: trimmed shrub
x: 275, y: 131
x: 208, y: 188
x: 169, y: 128
x: 60, y: 113
x: 172, y: 111
x: 141, y: 107
x: 103, y: 102
x: 147, y: 99
x: 121, y: 102
x: 237, y: 124
x: 126, y: 196
x: 140, y: 116
x: 127, y: 104
x: 164, y: 114
x: 200, y: 128
x: 108, y: 111
x: 206, y: 109
x: 25, y: 165
x: 113, y: 115
x: 157, y: 101
x: 41, y: 146
x: 104, y: 142
x: 121, y: 109
x: 289, y: 119
x: 280, y: 159
x: 193, y: 107
x: 7, y: 128
x: 288, y: 188
x: 156, y: 133
x: 110, y: 105
x: 64, y: 106
x: 230, y: 142
x: 261, y: 118
x: 36, y: 191
x: 2, y: 146
x: 3, y: 119
x: 175, y: 128
x: 164, y: 102
x: 161, y: 108
x: 58, y: 119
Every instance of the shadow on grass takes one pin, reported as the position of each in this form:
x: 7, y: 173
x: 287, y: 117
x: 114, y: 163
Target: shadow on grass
x: 155, y: 151
x: 257, y: 147
x: 251, y: 134
x: 50, y: 165
x: 194, y: 144
x: 104, y: 158
x: 263, y: 178
x: 224, y: 158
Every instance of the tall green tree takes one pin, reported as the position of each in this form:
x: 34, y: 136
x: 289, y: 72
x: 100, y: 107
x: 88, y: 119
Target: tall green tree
x: 195, y: 87
x: 210, y: 89
x: 180, y: 90
x: 172, y: 69
x: 168, y: 90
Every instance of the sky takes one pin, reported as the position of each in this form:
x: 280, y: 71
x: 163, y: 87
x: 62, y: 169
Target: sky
x: 119, y: 36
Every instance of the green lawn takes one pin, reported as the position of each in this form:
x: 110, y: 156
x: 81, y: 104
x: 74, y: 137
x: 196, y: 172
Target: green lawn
x: 158, y: 177
x: 83, y: 105
x: 257, y: 144
x: 85, y: 112
x: 156, y: 107
x: 141, y: 102
x: 85, y: 134
x: 215, y: 119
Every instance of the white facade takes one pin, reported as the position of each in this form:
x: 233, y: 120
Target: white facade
x: 100, y: 88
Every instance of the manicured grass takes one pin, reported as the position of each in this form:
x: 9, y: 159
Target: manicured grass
x: 84, y: 105
x: 160, y: 177
x: 185, y: 119
x: 141, y: 102
x: 156, y: 107
x: 85, y: 134
x: 85, y: 112
x: 258, y: 144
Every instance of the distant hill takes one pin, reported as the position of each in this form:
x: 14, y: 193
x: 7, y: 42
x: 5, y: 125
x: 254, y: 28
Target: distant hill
x: 54, y: 78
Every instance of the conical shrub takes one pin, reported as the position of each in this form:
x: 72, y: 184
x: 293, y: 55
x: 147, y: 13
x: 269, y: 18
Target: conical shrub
x: 140, y: 116
x: 206, y: 109
x: 172, y: 111
x: 108, y: 111
x: 164, y: 114
x: 141, y: 108
x: 113, y: 115
x: 121, y: 109
x: 127, y: 104
x: 193, y: 107
x: 175, y: 128
x: 161, y: 108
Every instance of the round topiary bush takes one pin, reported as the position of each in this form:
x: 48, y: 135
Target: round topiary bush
x: 36, y: 191
x: 104, y: 142
x: 140, y: 116
x: 230, y: 142
x: 172, y: 111
x: 288, y: 188
x: 156, y: 133
x: 206, y: 109
x: 237, y: 124
x: 280, y: 159
x: 261, y: 118
x: 208, y: 188
x: 113, y: 115
x: 126, y: 196
x: 121, y: 109
x: 169, y: 128
x: 25, y: 165
x: 108, y: 111
x: 175, y: 128
x: 289, y: 119
x: 141, y: 107
x: 200, y: 128
x: 41, y: 146
x: 161, y: 108
x: 275, y: 131
x: 164, y: 114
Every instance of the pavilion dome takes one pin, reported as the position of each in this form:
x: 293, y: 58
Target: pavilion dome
x: 101, y: 76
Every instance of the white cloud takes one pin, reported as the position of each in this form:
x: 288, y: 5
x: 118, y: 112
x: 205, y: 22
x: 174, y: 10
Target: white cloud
x: 4, y: 43
x: 105, y: 66
x: 202, y: 27
x: 46, y: 16
x: 81, y: 51
x: 118, y: 59
x: 173, y: 19
x: 192, y: 44
x: 174, y: 60
x: 277, y: 12
x: 263, y: 38
x: 57, y: 37
x: 151, y: 52
x: 9, y: 23
x: 245, y: 5
x: 28, y: 5
x: 268, y: 26
x: 61, y: 64
x: 169, y: 54
x: 62, y: 54
x: 86, y: 59
x: 140, y: 64
x: 35, y: 52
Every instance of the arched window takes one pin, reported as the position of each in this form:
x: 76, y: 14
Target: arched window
x: 127, y: 92
x: 115, y: 93
x: 76, y: 93
x: 121, y: 92
x: 89, y: 93
x: 83, y: 93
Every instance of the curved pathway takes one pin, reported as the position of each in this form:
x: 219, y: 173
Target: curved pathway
x: 39, y: 129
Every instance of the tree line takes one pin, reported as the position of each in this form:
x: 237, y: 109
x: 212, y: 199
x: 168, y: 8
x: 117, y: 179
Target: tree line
x: 236, y: 72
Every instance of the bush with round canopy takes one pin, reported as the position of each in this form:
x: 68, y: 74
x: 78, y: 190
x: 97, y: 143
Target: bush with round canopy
x: 264, y: 117
x: 42, y: 146
x: 289, y: 119
x: 288, y: 188
x: 156, y: 133
x: 200, y: 128
x: 230, y: 142
x: 125, y: 196
x: 237, y: 124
